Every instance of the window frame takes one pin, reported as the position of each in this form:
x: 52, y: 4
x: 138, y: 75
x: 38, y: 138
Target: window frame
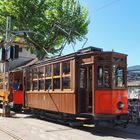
x: 66, y: 75
x: 104, y: 76
x: 124, y: 76
x: 36, y: 77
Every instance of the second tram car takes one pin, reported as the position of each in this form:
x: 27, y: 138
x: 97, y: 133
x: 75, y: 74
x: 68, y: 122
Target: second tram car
x: 90, y: 84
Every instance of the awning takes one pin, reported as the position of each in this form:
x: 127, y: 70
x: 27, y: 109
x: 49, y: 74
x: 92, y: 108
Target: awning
x: 20, y: 63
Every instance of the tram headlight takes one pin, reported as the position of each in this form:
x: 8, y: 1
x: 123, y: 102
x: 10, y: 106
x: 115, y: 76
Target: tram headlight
x: 120, y: 105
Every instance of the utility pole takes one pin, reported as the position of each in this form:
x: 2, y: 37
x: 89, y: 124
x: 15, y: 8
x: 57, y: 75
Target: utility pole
x: 8, y: 28
x: 7, y: 41
x: 6, y: 108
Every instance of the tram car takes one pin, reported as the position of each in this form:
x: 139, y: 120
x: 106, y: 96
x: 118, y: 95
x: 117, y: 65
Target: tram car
x: 89, y: 85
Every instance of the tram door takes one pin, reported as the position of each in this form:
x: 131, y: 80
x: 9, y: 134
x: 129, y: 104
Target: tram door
x: 85, y: 90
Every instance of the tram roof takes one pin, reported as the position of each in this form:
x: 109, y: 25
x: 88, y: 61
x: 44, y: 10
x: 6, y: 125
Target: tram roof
x: 83, y: 51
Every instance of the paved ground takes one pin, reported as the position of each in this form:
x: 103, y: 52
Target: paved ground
x: 26, y: 127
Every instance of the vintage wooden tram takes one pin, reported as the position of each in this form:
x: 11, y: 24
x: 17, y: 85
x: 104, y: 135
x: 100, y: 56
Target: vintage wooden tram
x: 87, y: 85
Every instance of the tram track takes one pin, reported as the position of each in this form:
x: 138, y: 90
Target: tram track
x: 101, y: 131
x: 10, y: 134
x: 107, y: 131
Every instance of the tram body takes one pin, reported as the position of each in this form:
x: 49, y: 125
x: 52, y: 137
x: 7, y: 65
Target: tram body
x: 90, y: 82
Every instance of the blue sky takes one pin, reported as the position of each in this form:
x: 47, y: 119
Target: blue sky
x: 114, y: 24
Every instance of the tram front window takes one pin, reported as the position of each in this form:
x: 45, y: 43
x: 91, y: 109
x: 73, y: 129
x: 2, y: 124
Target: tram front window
x: 103, y: 77
x: 118, y: 73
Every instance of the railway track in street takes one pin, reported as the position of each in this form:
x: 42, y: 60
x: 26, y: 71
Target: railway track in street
x: 26, y: 127
x: 132, y: 131
x: 15, y: 137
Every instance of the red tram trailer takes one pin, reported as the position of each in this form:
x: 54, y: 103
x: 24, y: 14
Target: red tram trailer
x: 90, y: 84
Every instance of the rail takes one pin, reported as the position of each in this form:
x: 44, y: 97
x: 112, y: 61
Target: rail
x: 10, y: 134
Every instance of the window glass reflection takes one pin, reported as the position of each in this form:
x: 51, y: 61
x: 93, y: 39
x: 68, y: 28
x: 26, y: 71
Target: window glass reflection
x: 118, y: 73
x: 56, y: 69
x: 103, y: 76
x: 66, y: 67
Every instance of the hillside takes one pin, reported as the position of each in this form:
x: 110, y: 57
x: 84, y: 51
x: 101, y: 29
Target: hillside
x: 133, y: 73
x: 134, y: 68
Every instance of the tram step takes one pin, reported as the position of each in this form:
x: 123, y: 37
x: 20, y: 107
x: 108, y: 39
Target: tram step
x: 82, y: 118
x: 89, y: 125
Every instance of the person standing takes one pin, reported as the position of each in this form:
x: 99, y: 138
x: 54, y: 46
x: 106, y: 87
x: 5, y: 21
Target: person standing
x: 15, y: 85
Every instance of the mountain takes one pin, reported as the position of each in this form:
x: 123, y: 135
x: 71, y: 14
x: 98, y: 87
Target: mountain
x: 134, y: 68
x: 133, y: 73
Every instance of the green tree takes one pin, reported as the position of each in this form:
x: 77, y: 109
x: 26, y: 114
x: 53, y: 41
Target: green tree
x: 45, y: 19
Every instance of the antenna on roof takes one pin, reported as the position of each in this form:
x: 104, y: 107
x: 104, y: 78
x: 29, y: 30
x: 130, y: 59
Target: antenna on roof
x: 86, y: 39
x: 68, y: 33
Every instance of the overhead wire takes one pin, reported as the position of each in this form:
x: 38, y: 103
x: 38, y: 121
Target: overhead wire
x: 106, y: 5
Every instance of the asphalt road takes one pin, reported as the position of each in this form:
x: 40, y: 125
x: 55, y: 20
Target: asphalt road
x: 26, y: 127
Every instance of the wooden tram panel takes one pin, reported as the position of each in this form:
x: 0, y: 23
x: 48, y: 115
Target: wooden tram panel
x: 51, y: 101
x: 56, y: 99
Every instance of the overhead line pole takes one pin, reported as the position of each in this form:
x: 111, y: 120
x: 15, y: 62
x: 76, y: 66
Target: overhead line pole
x: 7, y: 41
x: 6, y: 65
x: 8, y: 27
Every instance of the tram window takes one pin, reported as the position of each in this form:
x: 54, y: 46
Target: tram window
x: 115, y: 59
x: 48, y: 84
x: 28, y: 85
x: 35, y: 73
x: 41, y: 72
x: 35, y: 85
x: 82, y: 78
x: 103, y: 77
x: 66, y: 67
x: 41, y: 84
x: 119, y: 80
x: 66, y: 82
x: 56, y: 69
x: 100, y: 76
x: 56, y: 83
x: 103, y: 58
x: 48, y: 71
x: 28, y: 79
